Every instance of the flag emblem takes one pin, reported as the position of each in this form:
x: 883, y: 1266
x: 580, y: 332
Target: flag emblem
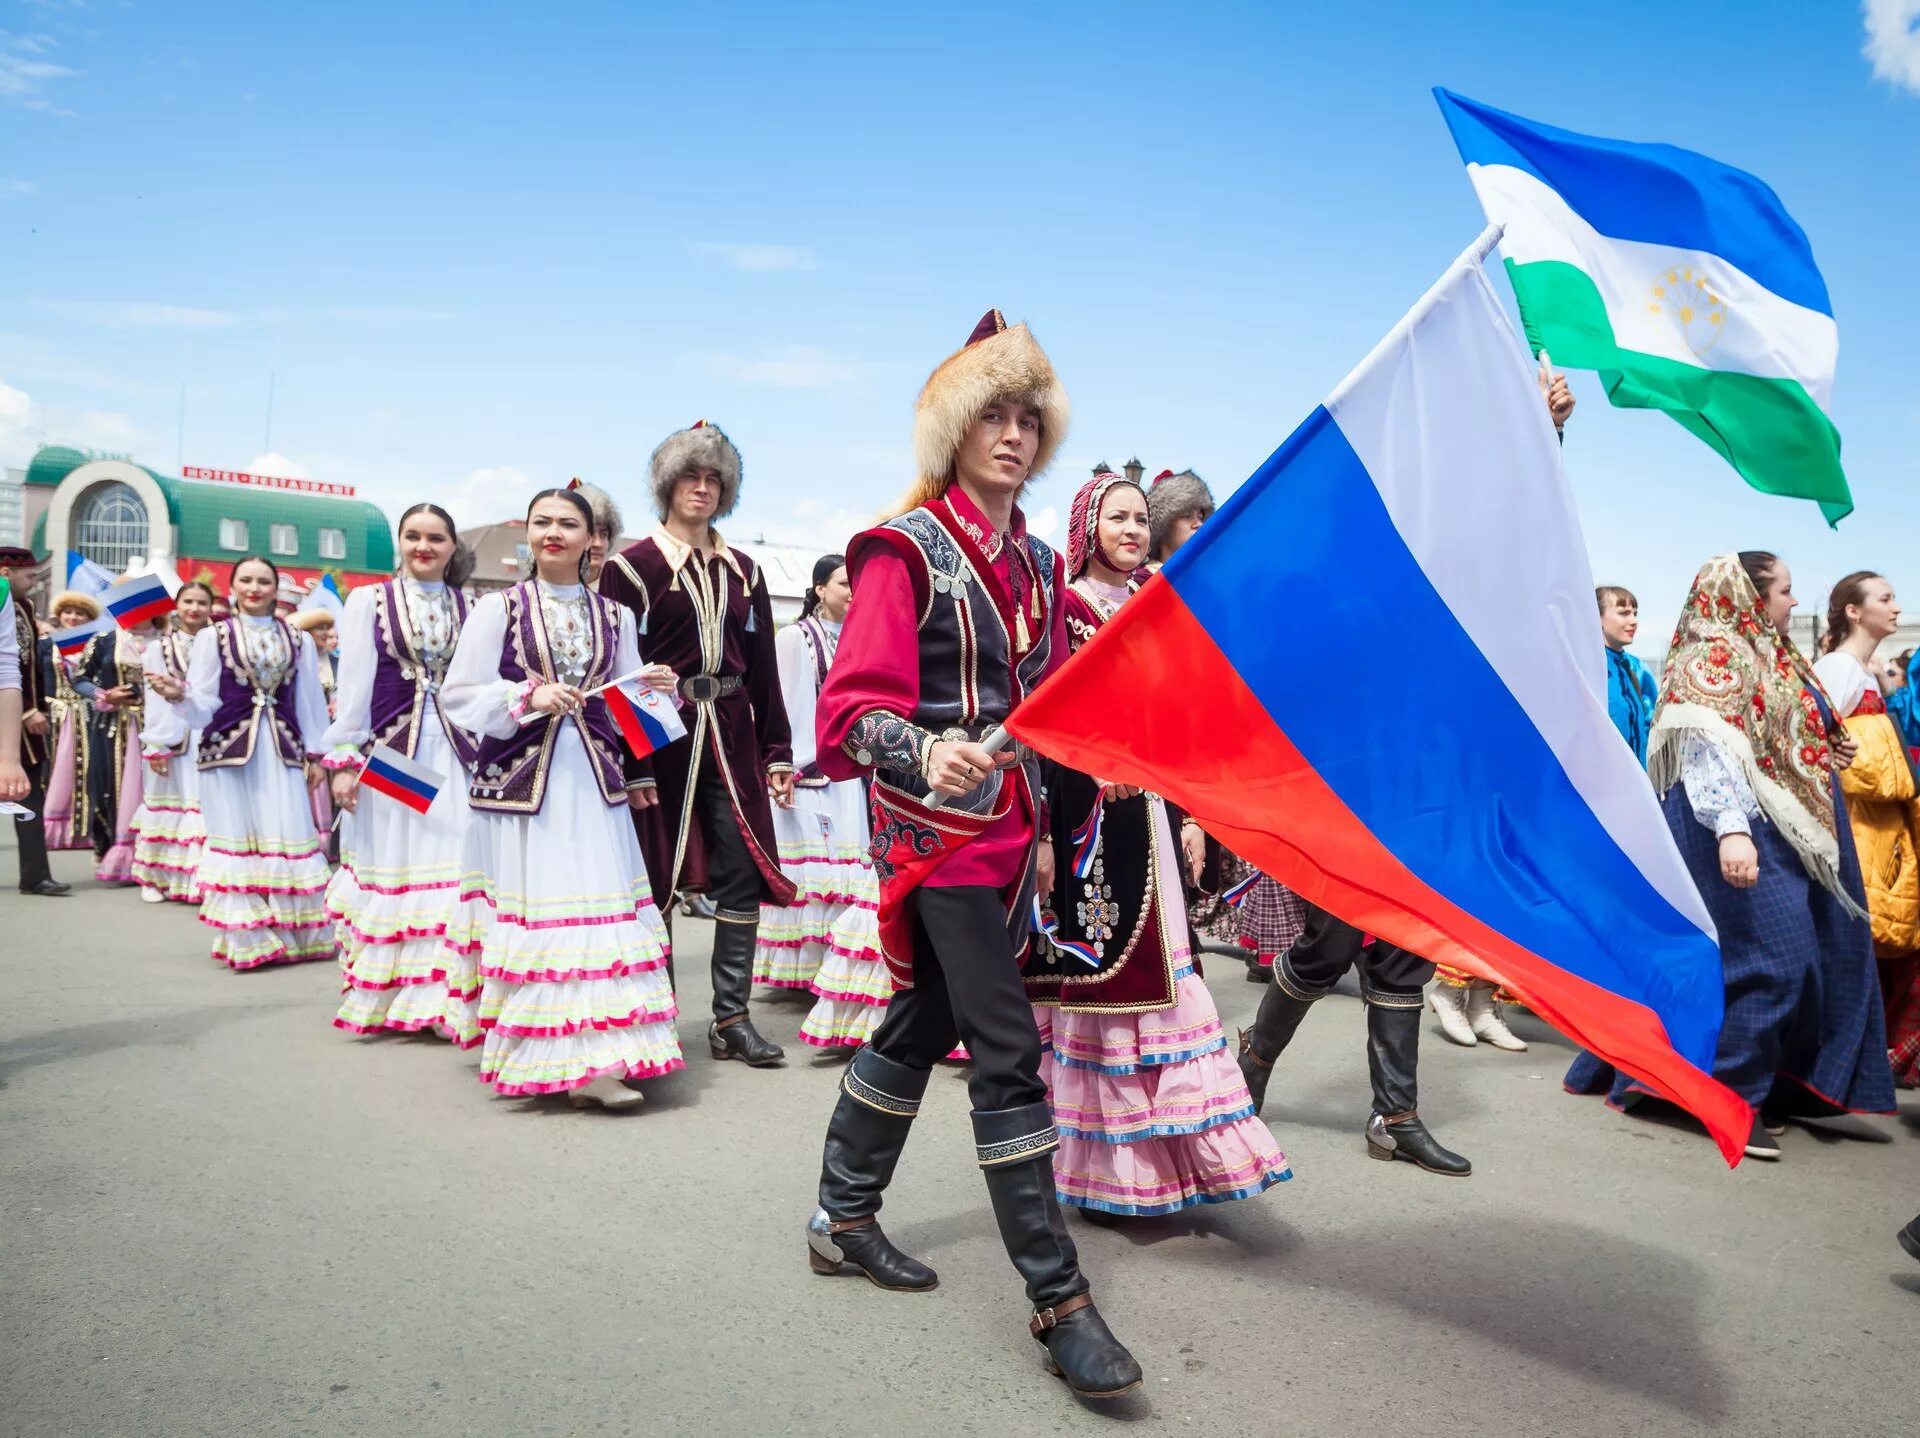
x: 646, y: 719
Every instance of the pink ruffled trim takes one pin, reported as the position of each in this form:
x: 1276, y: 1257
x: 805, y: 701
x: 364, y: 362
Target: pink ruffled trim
x: 866, y: 999
x: 639, y: 1017
x: 563, y: 976
x: 537, y: 1090
x: 438, y: 976
x: 501, y: 916
x: 784, y: 984
x: 397, y: 890
x: 280, y: 955
x: 140, y: 864
x: 360, y: 935
x: 213, y: 888
x: 310, y: 852
x: 268, y: 923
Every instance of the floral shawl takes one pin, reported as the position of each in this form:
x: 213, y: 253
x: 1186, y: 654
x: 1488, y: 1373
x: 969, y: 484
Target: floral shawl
x: 1736, y: 681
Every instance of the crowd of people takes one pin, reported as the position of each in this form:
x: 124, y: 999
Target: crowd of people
x: 845, y: 804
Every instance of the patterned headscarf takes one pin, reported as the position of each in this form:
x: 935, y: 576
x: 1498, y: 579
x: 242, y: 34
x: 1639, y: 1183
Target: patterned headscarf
x: 1741, y: 684
x: 1083, y: 523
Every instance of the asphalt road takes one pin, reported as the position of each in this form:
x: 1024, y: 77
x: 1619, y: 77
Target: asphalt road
x: 218, y: 1215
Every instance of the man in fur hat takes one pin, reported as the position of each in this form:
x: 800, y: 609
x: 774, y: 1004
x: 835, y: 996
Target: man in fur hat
x: 955, y: 618
x: 36, y: 875
x: 1177, y: 505
x: 701, y: 607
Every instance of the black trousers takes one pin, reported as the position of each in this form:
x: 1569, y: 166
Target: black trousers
x: 733, y: 880
x: 32, y: 833
x: 1328, y: 947
x: 966, y: 986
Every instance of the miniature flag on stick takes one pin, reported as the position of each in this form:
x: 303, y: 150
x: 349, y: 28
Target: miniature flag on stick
x: 69, y: 642
x: 137, y: 599
x: 388, y: 771
x: 646, y: 718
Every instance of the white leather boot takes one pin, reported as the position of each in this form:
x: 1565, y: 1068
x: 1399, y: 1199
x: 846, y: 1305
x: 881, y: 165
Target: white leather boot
x: 1449, y: 1001
x: 608, y: 1092
x: 1483, y: 1013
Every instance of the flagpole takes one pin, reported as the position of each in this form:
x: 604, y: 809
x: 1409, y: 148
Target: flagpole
x: 993, y: 741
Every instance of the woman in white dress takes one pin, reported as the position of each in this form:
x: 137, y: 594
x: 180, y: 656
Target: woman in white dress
x: 254, y: 694
x: 823, y: 836
x: 555, y: 906
x: 399, y: 875
x: 168, y: 831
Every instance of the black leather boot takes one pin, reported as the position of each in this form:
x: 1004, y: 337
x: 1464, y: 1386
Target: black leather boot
x: 1393, y: 1060
x: 1274, y: 1024
x: 1015, y: 1147
x: 732, y: 1034
x: 869, y: 1127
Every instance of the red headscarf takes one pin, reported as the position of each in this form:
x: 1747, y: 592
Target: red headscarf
x: 1083, y: 522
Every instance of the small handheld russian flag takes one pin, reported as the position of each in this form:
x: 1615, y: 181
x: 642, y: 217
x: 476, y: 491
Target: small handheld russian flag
x: 388, y: 771
x: 69, y: 642
x: 646, y: 718
x: 137, y: 599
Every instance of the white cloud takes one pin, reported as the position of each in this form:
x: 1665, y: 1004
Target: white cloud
x: 787, y: 367
x: 1044, y: 524
x: 26, y: 425
x: 758, y: 259
x: 1893, y: 41
x: 498, y: 487
x: 17, y: 437
x: 25, y: 78
x: 17, y: 189
x: 141, y: 315
x: 278, y: 465
x: 812, y: 525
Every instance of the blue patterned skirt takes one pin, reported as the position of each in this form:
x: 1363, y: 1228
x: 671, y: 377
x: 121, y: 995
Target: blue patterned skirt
x: 1804, y: 1021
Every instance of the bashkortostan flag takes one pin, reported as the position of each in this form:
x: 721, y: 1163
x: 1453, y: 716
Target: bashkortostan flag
x: 1683, y: 281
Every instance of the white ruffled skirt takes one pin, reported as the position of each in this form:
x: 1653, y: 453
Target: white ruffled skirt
x: 396, y: 888
x: 169, y: 831
x: 263, y: 874
x: 823, y: 849
x: 555, y: 913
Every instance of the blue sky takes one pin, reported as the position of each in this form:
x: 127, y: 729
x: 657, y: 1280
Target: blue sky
x: 487, y: 246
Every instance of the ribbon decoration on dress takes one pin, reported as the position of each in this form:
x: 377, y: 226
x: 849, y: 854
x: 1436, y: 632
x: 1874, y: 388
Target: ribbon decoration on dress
x: 1049, y: 929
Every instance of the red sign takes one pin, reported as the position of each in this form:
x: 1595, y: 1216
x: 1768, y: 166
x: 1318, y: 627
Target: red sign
x: 268, y: 481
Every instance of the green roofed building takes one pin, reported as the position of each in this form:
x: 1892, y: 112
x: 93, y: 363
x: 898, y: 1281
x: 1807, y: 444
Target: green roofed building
x: 117, y: 513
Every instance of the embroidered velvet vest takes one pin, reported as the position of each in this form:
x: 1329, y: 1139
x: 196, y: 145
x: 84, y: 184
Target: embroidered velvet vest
x: 246, y: 703
x: 510, y: 775
x: 402, y: 678
x: 968, y: 682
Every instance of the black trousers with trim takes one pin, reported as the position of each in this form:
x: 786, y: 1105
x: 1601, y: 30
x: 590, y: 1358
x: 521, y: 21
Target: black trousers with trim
x: 966, y: 987
x: 1328, y: 947
x: 733, y: 880
x: 32, y: 833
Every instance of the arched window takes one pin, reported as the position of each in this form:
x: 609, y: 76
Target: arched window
x: 110, y: 525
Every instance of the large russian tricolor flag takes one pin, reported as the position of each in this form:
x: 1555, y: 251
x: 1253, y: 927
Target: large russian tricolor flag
x: 137, y: 599
x: 1472, y: 802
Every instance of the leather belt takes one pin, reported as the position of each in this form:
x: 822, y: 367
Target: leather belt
x: 705, y: 688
